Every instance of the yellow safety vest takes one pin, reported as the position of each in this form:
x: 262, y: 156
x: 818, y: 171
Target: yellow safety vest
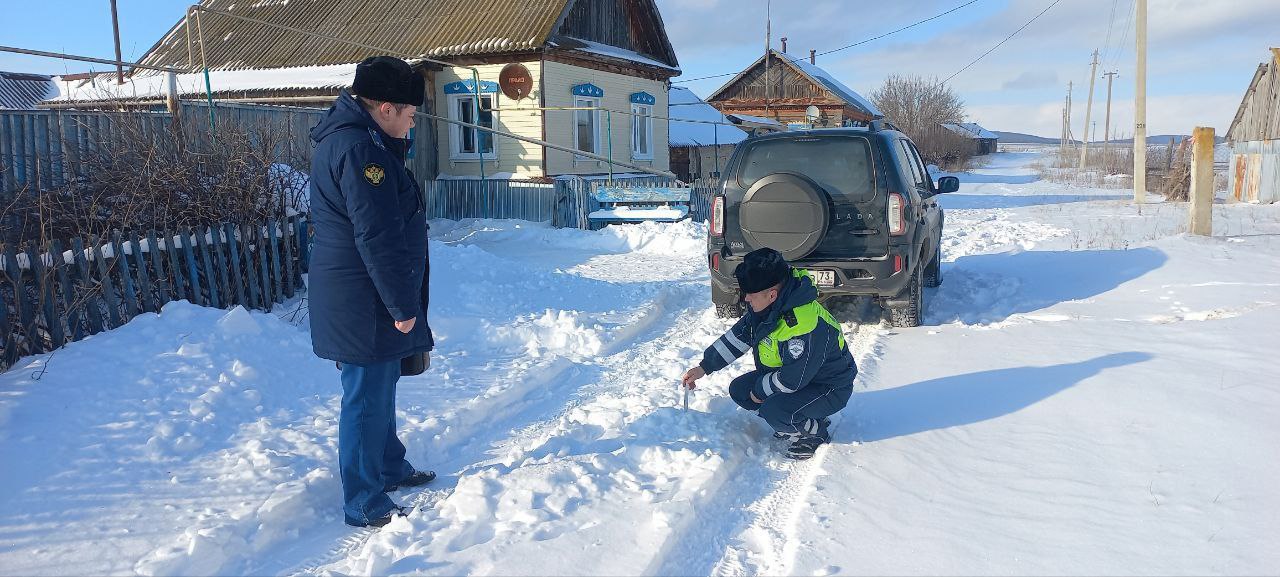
x: 806, y: 316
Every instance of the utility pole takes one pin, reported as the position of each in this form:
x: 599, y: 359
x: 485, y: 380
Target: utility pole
x: 115, y: 27
x: 1062, y: 138
x: 768, y: 42
x: 1066, y: 126
x: 1088, y: 110
x: 1106, y: 130
x: 1140, y: 107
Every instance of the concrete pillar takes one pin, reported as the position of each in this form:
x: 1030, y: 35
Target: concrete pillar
x: 1202, y: 181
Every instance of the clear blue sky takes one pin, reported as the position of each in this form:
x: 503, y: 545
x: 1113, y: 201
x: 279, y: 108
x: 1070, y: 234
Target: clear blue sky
x: 1202, y: 52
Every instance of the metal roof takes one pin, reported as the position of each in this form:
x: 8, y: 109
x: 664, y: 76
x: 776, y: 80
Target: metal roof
x: 431, y: 28
x: 971, y: 130
x: 23, y: 91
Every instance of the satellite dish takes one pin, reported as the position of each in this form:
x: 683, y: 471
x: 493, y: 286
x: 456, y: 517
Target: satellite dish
x: 811, y: 114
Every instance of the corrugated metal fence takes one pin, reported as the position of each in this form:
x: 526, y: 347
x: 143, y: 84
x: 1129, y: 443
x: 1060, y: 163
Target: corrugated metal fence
x: 1255, y: 171
x: 565, y: 204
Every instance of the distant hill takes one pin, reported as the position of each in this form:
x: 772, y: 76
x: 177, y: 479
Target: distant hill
x: 1020, y: 138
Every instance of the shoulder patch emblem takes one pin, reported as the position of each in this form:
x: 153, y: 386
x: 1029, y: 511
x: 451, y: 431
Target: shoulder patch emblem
x: 795, y: 347
x: 374, y: 173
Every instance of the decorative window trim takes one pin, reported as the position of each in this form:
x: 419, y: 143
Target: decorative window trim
x: 455, y: 131
x: 468, y: 87
x: 587, y: 90
x: 643, y: 98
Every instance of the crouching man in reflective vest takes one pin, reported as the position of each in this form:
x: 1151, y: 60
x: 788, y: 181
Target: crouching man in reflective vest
x: 804, y: 370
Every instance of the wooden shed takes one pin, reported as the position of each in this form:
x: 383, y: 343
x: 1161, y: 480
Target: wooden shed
x: 1254, y: 137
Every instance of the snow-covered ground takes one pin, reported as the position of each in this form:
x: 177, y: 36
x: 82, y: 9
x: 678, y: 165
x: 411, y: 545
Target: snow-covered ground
x: 1094, y: 393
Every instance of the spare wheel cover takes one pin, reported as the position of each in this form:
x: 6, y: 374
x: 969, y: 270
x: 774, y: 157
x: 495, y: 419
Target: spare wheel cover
x: 787, y: 212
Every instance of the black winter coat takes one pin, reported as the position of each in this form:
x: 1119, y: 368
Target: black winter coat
x: 369, y: 264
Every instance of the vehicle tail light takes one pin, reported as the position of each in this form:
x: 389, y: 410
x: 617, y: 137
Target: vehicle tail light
x: 715, y: 261
x: 717, y: 216
x: 897, y: 263
x: 897, y: 218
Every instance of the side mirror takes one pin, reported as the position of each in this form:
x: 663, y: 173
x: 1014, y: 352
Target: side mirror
x: 948, y: 184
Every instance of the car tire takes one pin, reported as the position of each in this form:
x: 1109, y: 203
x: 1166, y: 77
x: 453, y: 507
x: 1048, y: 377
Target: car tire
x: 933, y: 272
x: 729, y: 311
x: 727, y: 305
x: 912, y: 314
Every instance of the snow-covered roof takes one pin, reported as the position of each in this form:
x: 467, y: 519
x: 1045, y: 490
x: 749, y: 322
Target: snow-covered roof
x: 825, y: 78
x: 747, y: 118
x: 685, y: 105
x: 152, y: 86
x: 611, y: 51
x: 970, y: 130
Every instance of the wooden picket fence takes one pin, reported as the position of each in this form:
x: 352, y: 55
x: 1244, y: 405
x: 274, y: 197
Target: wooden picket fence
x: 49, y: 297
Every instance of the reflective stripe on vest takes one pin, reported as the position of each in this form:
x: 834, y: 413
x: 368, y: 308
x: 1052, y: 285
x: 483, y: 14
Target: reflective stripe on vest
x: 807, y: 315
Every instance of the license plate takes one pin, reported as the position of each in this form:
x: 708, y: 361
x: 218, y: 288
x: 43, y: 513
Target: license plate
x: 825, y: 278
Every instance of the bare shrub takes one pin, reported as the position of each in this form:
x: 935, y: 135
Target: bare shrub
x: 1177, y: 183
x: 149, y: 179
x: 918, y: 106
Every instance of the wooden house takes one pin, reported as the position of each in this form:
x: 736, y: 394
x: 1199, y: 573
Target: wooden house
x: 702, y: 139
x: 788, y: 90
x: 612, y: 56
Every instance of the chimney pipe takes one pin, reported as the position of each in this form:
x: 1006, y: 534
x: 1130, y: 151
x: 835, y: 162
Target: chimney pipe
x: 813, y: 57
x: 784, y: 44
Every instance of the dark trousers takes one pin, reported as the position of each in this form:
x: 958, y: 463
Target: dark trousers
x: 801, y: 413
x: 370, y: 456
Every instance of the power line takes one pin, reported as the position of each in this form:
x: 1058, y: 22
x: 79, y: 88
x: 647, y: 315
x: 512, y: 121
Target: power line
x: 859, y: 43
x: 1111, y: 24
x: 1124, y: 38
x: 1001, y: 43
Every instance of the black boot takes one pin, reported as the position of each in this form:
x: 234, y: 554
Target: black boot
x: 804, y: 447
x: 417, y: 479
x: 383, y: 520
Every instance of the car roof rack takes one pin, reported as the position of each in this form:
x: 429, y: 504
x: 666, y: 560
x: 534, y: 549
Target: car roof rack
x: 881, y: 124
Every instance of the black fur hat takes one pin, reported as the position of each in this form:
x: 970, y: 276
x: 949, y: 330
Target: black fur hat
x: 389, y: 79
x: 761, y: 269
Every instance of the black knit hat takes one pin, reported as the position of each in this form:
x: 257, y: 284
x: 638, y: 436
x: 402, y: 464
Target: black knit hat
x: 389, y: 79
x: 761, y: 269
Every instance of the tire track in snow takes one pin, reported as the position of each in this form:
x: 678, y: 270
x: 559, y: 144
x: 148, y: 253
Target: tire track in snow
x: 758, y: 500
x: 516, y: 406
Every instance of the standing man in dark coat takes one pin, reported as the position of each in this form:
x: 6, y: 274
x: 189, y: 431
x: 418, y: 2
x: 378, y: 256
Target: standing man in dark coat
x: 368, y: 276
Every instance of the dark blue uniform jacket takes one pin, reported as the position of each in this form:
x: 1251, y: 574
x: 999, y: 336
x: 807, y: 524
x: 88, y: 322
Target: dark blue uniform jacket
x: 369, y: 263
x: 816, y: 362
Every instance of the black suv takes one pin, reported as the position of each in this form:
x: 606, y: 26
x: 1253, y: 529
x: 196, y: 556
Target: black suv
x: 853, y: 205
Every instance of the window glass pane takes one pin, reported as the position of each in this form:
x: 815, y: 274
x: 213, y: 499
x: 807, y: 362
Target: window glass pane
x: 924, y: 172
x: 640, y: 129
x: 913, y: 168
x: 486, y: 120
x: 466, y: 113
x: 841, y: 165
x: 586, y: 126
